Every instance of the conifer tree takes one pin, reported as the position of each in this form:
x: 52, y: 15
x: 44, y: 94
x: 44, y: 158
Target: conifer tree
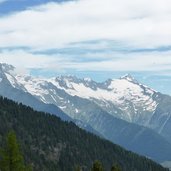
x: 97, y: 166
x: 116, y: 167
x: 11, y: 158
x: 78, y: 168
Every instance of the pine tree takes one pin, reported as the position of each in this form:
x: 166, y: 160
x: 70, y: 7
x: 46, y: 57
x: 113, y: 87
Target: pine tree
x: 116, y: 167
x: 78, y: 168
x: 11, y: 158
x: 97, y: 166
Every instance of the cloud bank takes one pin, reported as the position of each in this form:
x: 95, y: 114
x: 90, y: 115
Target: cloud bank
x: 133, y: 24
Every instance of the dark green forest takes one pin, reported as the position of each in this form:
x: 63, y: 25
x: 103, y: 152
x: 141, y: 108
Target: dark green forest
x: 49, y: 144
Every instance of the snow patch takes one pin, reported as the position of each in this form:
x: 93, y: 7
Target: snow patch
x: 62, y: 107
x: 88, y: 79
x: 11, y: 80
x: 76, y: 110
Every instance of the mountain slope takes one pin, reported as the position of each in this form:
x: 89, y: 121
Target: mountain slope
x: 51, y: 144
x: 161, y: 119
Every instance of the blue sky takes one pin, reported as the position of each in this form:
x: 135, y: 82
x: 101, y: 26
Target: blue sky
x: 11, y: 6
x: 89, y: 38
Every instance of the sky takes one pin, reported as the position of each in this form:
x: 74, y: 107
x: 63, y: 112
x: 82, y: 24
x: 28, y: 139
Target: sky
x: 99, y: 39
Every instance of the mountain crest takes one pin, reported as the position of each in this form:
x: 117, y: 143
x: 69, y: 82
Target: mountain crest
x: 129, y: 77
x: 6, y: 67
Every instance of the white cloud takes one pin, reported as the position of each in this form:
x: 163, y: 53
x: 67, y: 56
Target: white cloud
x: 20, y: 58
x: 140, y: 23
x: 1, y: 1
x: 135, y: 23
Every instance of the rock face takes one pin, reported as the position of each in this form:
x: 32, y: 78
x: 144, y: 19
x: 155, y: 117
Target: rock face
x: 121, y: 110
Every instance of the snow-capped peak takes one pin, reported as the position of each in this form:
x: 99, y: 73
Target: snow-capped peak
x: 87, y: 79
x: 6, y: 68
x: 67, y: 77
x: 8, y: 76
x: 129, y: 77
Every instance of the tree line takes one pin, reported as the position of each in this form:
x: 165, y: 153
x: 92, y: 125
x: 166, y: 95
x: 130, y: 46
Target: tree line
x: 97, y: 166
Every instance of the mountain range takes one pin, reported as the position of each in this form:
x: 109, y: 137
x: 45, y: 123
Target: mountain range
x: 121, y: 110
